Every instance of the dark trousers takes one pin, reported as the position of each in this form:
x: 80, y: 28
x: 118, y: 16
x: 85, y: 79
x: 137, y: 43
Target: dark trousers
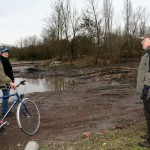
x: 147, y: 115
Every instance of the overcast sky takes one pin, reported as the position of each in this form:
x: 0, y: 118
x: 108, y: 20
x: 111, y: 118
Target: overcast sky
x: 24, y: 18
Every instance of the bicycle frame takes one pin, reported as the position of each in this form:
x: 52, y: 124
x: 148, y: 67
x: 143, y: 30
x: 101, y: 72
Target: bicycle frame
x: 18, y: 99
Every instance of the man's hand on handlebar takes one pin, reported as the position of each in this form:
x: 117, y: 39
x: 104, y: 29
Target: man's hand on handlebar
x: 12, y: 85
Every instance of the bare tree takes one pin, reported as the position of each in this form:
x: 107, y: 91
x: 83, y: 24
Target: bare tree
x: 74, y: 32
x: 108, y: 14
x: 127, y: 16
x: 66, y: 13
x: 20, y: 43
x: 108, y: 19
x: 54, y: 31
x: 75, y: 19
x: 142, y: 28
x: 54, y: 23
x: 136, y: 20
x: 92, y: 26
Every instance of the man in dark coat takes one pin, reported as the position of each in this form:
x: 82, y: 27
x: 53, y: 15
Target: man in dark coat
x: 143, y: 85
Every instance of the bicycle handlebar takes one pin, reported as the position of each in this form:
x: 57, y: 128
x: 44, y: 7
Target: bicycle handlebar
x: 21, y: 83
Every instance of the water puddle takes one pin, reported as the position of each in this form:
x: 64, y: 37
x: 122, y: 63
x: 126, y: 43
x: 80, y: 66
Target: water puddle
x: 43, y: 84
x: 46, y: 84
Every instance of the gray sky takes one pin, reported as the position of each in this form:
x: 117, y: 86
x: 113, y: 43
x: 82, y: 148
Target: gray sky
x: 24, y: 18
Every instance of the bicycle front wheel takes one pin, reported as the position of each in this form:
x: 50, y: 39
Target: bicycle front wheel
x: 28, y: 117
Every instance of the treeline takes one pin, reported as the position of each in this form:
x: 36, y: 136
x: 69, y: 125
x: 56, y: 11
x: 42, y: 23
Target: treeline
x: 95, y: 33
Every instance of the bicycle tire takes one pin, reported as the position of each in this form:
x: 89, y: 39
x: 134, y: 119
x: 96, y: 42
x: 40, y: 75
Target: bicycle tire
x: 28, y: 116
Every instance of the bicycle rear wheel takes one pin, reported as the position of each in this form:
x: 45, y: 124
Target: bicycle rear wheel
x: 28, y: 117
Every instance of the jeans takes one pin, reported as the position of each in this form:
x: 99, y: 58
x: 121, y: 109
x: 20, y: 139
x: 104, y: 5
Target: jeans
x: 5, y: 100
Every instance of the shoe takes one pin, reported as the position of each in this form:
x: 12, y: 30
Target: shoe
x: 1, y: 122
x: 144, y: 137
x: 144, y: 144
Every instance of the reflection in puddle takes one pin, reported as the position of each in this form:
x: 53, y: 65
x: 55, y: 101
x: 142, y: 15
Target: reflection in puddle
x: 46, y: 84
x: 41, y: 85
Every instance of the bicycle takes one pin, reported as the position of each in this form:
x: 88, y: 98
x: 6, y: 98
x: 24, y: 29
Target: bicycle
x: 27, y: 114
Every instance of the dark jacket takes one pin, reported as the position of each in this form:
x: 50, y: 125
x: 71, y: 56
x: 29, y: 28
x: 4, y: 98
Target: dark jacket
x: 7, y: 68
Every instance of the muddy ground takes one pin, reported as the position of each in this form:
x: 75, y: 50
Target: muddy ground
x: 99, y: 99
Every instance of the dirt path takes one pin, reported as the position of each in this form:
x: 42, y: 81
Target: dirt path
x: 101, y: 99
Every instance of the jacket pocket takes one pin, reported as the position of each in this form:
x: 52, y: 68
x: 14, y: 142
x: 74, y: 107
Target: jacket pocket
x: 145, y: 91
x: 147, y: 79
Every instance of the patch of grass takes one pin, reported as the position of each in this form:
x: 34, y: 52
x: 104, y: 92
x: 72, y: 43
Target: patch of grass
x: 121, y: 139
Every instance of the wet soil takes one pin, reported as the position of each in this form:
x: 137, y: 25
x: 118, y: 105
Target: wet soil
x: 99, y: 99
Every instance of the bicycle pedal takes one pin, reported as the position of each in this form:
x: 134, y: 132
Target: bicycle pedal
x: 4, y: 123
x: 7, y: 123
